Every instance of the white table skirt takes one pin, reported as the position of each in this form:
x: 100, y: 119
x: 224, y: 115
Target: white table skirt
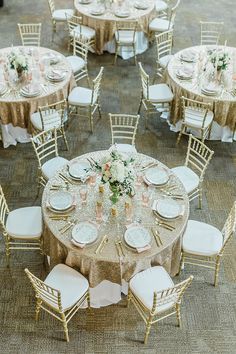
x: 11, y: 135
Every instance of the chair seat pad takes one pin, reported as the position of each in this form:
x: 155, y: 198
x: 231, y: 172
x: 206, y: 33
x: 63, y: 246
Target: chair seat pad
x: 161, y: 6
x: 125, y: 37
x: 81, y: 96
x: 84, y: 31
x: 69, y: 282
x: 62, y: 14
x: 160, y: 93
x: 75, y: 62
x: 50, y: 122
x: 187, y: 176
x: 194, y: 118
x: 151, y: 280
x: 25, y: 222
x: 165, y: 60
x: 126, y: 148
x: 202, y: 239
x: 51, y: 166
x: 159, y: 25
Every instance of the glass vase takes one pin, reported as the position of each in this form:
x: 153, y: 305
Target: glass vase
x: 114, y: 197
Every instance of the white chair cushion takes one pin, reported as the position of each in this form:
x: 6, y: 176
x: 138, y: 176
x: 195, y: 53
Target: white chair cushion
x: 25, y: 222
x: 50, y: 167
x: 126, y: 148
x: 125, y: 37
x: 84, y: 31
x: 81, y: 96
x: 165, y: 60
x: 160, y: 93
x: 69, y: 282
x: 159, y: 25
x: 151, y: 280
x: 187, y: 176
x: 194, y: 117
x: 202, y: 239
x: 75, y: 62
x: 61, y: 15
x: 161, y: 6
x: 54, y: 120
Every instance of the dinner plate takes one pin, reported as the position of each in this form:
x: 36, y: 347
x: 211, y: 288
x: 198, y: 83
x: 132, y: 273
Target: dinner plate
x: 137, y: 237
x: 78, y: 169
x: 85, y: 2
x: 168, y: 208
x: 188, y: 57
x: 26, y: 92
x: 141, y: 5
x: 84, y: 232
x: 56, y: 75
x: 184, y: 74
x: 61, y: 200
x: 122, y: 14
x: 156, y: 175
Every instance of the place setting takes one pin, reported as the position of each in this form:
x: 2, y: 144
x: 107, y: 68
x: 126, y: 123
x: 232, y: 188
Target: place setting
x: 30, y: 90
x: 137, y: 238
x: 184, y: 73
x: 141, y: 5
x: 56, y: 75
x: 188, y: 56
x: 61, y: 205
x: 84, y: 234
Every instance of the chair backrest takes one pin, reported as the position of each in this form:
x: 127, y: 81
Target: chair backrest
x: 96, y: 86
x: 45, y: 145
x: 164, y: 43
x: 171, y: 295
x: 195, y: 110
x: 72, y: 22
x: 53, y: 114
x: 229, y: 226
x: 211, y: 32
x: 81, y: 47
x: 3, y: 209
x: 30, y: 34
x: 123, y: 127
x: 172, y: 15
x: 51, y: 6
x: 145, y: 81
x: 128, y: 26
x: 198, y: 156
x: 45, y: 292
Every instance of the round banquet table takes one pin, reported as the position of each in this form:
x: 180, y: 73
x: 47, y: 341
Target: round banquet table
x: 15, y: 109
x: 108, y: 273
x: 224, y: 104
x: 105, y: 25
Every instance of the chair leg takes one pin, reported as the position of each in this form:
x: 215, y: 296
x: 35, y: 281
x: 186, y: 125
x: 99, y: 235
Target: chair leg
x: 148, y: 328
x: 88, y: 301
x: 129, y: 297
x: 181, y: 264
x: 37, y: 309
x: 135, y: 57
x: 116, y: 53
x: 177, y: 306
x: 140, y: 105
x: 64, y: 138
x: 65, y: 326
x: 91, y: 120
x: 217, y: 268
x: 99, y: 111
x: 8, y: 252
x: 200, y: 199
x: 180, y: 134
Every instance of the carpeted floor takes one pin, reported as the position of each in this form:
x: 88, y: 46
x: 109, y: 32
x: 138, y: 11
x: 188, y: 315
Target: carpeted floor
x: 209, y: 324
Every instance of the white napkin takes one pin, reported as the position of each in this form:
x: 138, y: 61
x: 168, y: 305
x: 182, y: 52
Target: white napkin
x: 139, y: 249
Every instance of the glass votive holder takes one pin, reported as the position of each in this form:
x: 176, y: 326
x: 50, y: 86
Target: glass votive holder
x: 99, y: 211
x: 101, y: 188
x: 92, y: 178
x: 83, y: 192
x: 139, y: 178
x: 145, y: 197
x: 128, y: 211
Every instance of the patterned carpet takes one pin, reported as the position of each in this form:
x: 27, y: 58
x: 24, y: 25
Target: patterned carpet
x: 209, y: 324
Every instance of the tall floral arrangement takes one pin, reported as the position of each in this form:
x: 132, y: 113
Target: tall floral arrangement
x: 219, y: 58
x: 18, y: 61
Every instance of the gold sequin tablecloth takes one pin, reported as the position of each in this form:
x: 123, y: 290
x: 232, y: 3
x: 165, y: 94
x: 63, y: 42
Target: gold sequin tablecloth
x: 105, y: 24
x: 108, y: 265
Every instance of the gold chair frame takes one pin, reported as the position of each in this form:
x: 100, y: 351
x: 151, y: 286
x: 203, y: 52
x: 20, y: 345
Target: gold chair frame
x: 52, y: 9
x: 72, y: 23
x: 164, y: 42
x: 18, y: 243
x: 48, y: 118
x: 80, y: 48
x: 123, y: 127
x: 43, y: 291
x: 164, y: 13
x: 211, y: 32
x: 88, y: 111
x: 214, y: 261
x: 126, y: 26
x: 149, y: 106
x: 173, y: 294
x: 30, y: 34
x: 197, y: 109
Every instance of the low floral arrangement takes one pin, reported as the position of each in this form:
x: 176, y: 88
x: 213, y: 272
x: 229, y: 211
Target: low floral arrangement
x: 220, y: 59
x: 18, y: 61
x: 118, y: 172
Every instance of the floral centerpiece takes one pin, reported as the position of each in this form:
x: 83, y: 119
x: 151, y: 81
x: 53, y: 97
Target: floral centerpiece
x: 220, y: 59
x: 118, y: 172
x: 19, y: 62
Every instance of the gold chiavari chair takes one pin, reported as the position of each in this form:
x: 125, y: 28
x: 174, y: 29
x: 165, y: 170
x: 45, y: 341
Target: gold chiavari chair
x: 164, y: 24
x: 61, y: 294
x: 79, y: 59
x: 125, y: 36
x: 197, y: 159
x: 85, y: 100
x: 203, y: 245
x: 46, y: 150
x: 164, y: 43
x: 59, y: 15
x: 162, y: 7
x: 196, y: 115
x: 153, y: 97
x: 79, y: 31
x: 22, y: 228
x: 211, y: 32
x: 124, y: 128
x: 51, y: 116
x: 155, y: 296
x: 30, y: 34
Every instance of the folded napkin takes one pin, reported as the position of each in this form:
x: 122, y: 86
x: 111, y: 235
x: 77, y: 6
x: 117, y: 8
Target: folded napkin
x: 185, y: 72
x: 77, y: 244
x: 139, y: 249
x: 56, y: 74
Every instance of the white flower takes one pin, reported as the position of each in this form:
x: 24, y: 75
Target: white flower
x: 118, y: 171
